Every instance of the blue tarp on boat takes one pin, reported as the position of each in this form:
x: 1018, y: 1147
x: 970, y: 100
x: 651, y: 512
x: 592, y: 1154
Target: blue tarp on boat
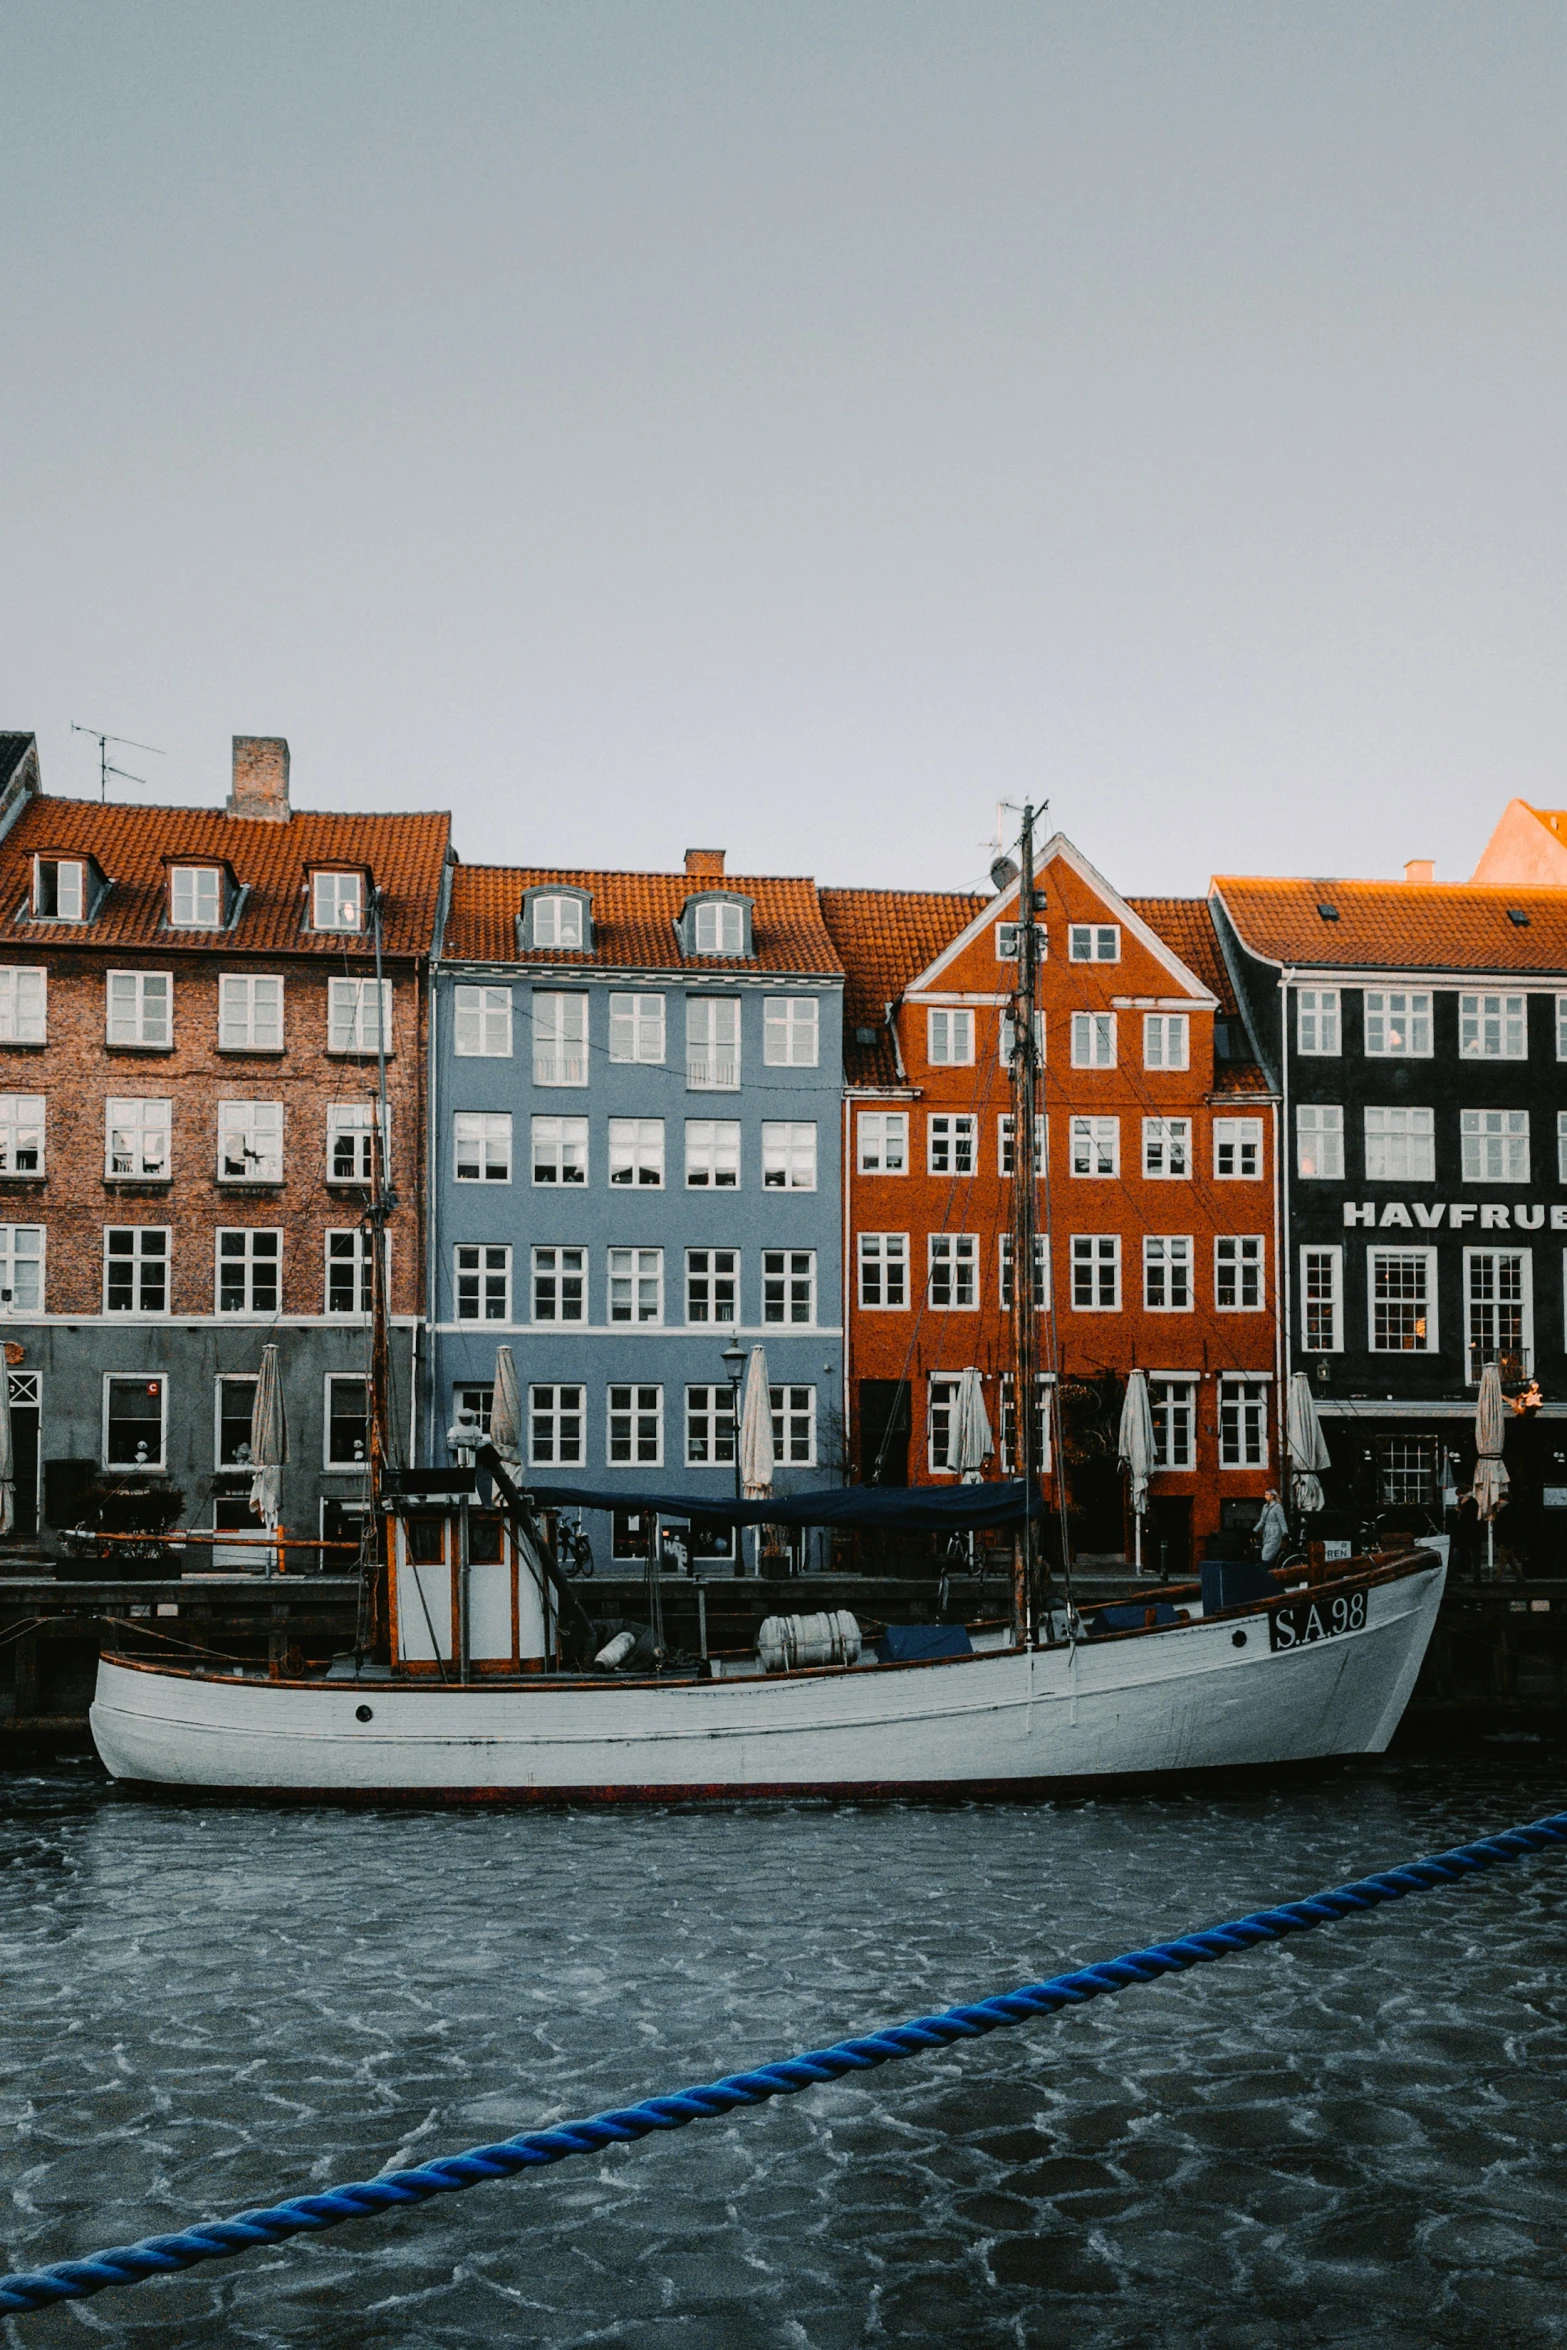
x: 910, y: 1644
x: 949, y: 1509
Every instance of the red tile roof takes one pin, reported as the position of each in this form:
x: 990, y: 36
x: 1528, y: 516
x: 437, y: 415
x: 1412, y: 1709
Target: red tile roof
x: 634, y: 917
x: 405, y: 854
x: 1398, y: 925
x: 886, y: 937
x: 1186, y: 927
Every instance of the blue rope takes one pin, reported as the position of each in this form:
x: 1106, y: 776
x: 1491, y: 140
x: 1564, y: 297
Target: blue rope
x: 73, y: 2280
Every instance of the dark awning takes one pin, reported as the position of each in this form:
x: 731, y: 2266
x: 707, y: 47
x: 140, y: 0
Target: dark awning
x: 952, y: 1509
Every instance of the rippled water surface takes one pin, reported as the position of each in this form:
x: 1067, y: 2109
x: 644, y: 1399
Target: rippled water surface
x: 1360, y: 2136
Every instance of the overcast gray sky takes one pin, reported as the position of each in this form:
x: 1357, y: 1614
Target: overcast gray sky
x: 797, y: 428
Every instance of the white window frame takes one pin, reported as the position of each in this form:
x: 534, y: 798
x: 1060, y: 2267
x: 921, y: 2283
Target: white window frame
x: 337, y: 901
x: 147, y: 1120
x: 713, y: 1038
x: 709, y: 1144
x: 1041, y: 1272
x: 640, y: 1271
x: 702, y: 1266
x: 251, y: 1134
x: 482, y: 1144
x: 1561, y: 1028
x: 1167, y: 1150
x: 1243, y: 1437
x: 1096, y: 1148
x: 1493, y: 1026
x: 1399, y: 1147
x: 1473, y: 1257
x: 1007, y: 936
x: 22, y: 1245
x: 1168, y: 1286
x: 552, y: 1405
x: 1235, y: 1256
x: 192, y: 877
x: 880, y: 1256
x: 1316, y: 1262
x: 248, y: 1011
x: 140, y: 1255
x: 949, y: 1036
x: 1093, y: 1253
x: 355, y: 1123
x: 351, y: 1017
x: 1094, y: 942
x: 1319, y: 1142
x: 793, y: 1412
x: 70, y: 902
x: 709, y: 1427
x: 348, y: 1245
x: 952, y: 1265
x: 1318, y: 1023
x: 1378, y: 1254
x: 718, y: 927
x: 1094, y: 1041
x: 1004, y: 1164
x: 1502, y: 1134
x: 940, y: 1404
x: 24, y: 1004
x: 1167, y: 1040
x: 1006, y: 1038
x: 791, y: 1031
x: 633, y: 1413
x: 481, y: 1023
x: 247, y: 1258
x: 138, y: 1010
x: 636, y: 1030
x: 1172, y: 1401
x: 148, y: 1379
x: 786, y: 1274
x: 951, y: 1139
x: 882, y: 1142
x: 481, y: 1279
x: 788, y: 1154
x: 557, y: 921
x: 1235, y: 1138
x: 1397, y: 1024
x: 23, y: 1136
x: 331, y: 1381
x: 558, y: 1276
x: 560, y: 1037
x: 1561, y: 1146
x: 563, y: 1141
x: 636, y: 1148
x: 227, y: 1379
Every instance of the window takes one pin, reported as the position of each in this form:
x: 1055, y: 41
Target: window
x: 351, y: 1141
x: 954, y: 1272
x: 636, y: 1153
x: 636, y: 1285
x: 884, y: 1269
x: 1316, y: 1021
x: 1493, y: 1028
x: 710, y: 1427
x: 347, y: 1421
x: 23, y: 1001
x: 560, y: 1150
x: 712, y: 1285
x: 1237, y: 1149
x: 481, y: 1024
x: 1004, y: 1144
x: 1093, y: 1040
x: 250, y: 1142
x: 1243, y: 1424
x: 337, y: 901
x: 1322, y: 1300
x: 720, y: 928
x: 349, y: 1271
x: 1319, y: 1141
x: 1007, y: 936
x: 712, y: 1154
x: 136, y: 1269
x: 949, y: 1038
x: 1398, y: 1022
x: 1167, y: 1273
x: 634, y: 1419
x: 250, y: 1014
x: 1041, y: 1272
x: 1166, y: 1040
x: 789, y: 1032
x: 557, y: 922
x: 1495, y: 1146
x: 788, y: 1155
x: 136, y: 1140
x: 1007, y: 1038
x: 1173, y: 1403
x: 943, y: 1404
x: 560, y: 1284
x: 475, y: 1400
x: 794, y: 1425
x: 1561, y: 1027
x: 139, y: 1009
x: 481, y: 1146
x: 359, y: 1016
x: 1096, y: 1146
x: 21, y: 1133
x: 1011, y: 1465
x: 196, y: 897
x: 249, y: 1264
x: 884, y: 1142
x: 1499, y: 1311
x: 1237, y: 1273
x: 636, y: 1028
x: 1094, y: 942
x: 1407, y: 1471
x: 135, y: 1419
x: 1400, y: 1146
x: 1401, y: 1296
x: 1167, y: 1149
x: 712, y: 1043
x: 560, y: 1039
x: 21, y: 1269
x: 236, y: 1402
x: 1561, y: 1146
x: 482, y: 1281
x: 1096, y: 1273
x: 59, y: 889
x: 789, y: 1285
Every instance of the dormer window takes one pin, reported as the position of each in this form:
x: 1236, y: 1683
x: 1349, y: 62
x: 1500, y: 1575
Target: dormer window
x: 196, y: 897
x: 557, y: 922
x: 337, y: 901
x: 720, y: 928
x: 59, y: 889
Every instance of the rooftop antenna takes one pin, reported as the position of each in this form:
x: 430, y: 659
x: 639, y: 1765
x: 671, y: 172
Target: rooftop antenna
x: 106, y: 766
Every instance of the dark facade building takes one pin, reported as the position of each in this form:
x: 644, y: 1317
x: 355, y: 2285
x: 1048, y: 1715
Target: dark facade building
x: 1417, y: 1036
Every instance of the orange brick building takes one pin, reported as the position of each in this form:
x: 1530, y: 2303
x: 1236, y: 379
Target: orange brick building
x: 1158, y: 1238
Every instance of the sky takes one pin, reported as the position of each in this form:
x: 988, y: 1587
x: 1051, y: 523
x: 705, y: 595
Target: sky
x: 801, y: 429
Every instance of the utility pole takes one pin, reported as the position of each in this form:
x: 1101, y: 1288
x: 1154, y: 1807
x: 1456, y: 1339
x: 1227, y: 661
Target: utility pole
x: 1025, y: 1227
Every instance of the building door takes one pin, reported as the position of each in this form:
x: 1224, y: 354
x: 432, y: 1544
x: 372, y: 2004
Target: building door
x: 1167, y: 1546
x: 884, y: 1431
x: 25, y: 1415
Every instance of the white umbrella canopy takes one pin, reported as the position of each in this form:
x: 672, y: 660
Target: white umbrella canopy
x: 268, y: 1442
x: 1491, y: 1480
x: 1135, y: 1444
x: 969, y: 1439
x: 1307, y: 1445
x: 7, y: 1452
x: 756, y: 1430
x: 506, y: 1409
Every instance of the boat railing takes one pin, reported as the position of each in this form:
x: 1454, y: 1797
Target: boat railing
x: 157, y: 1550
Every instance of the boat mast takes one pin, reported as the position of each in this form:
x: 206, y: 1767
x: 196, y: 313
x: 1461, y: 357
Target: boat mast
x: 1025, y: 1222
x: 374, y: 1629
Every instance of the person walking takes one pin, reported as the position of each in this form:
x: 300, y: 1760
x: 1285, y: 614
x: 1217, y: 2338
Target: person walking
x: 1273, y: 1527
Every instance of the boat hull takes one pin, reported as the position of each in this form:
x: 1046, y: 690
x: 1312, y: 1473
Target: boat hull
x: 1191, y: 1698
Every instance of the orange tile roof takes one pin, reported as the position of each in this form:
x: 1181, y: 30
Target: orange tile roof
x: 1398, y: 925
x: 1186, y: 926
x: 405, y: 855
x: 886, y: 938
x: 634, y: 917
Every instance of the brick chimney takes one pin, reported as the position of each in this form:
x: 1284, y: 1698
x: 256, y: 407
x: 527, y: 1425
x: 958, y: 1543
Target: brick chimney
x: 260, y: 779
x: 708, y: 861
x: 1420, y: 869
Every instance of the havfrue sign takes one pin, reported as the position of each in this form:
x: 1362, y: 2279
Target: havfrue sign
x: 1457, y: 1215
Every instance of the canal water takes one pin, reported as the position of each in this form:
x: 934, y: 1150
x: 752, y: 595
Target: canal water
x: 1356, y: 2137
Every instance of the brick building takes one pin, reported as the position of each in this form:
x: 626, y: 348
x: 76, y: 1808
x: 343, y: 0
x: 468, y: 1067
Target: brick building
x: 189, y: 1070
x: 1158, y: 1243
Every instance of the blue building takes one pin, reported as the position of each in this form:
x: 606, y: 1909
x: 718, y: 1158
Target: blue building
x: 636, y: 1116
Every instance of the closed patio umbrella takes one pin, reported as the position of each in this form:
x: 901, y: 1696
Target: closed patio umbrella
x: 7, y: 1452
x: 1490, y: 1485
x: 1136, y: 1449
x: 1308, y: 1449
x: 969, y: 1440
x: 268, y: 1442
x: 755, y: 1437
x: 506, y: 1409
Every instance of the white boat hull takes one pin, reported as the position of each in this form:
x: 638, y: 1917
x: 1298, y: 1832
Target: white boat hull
x: 1189, y: 1698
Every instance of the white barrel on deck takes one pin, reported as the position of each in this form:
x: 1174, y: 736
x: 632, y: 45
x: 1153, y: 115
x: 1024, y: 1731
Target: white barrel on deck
x: 786, y: 1642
